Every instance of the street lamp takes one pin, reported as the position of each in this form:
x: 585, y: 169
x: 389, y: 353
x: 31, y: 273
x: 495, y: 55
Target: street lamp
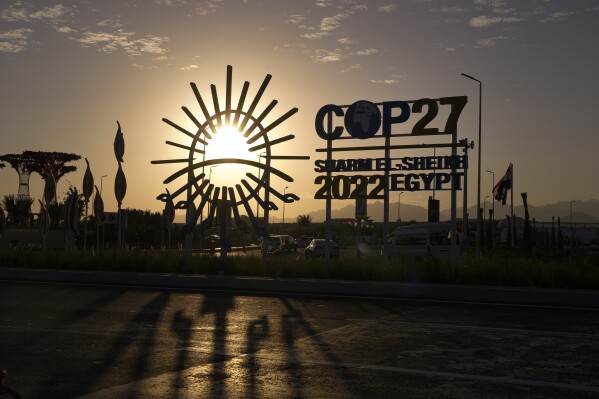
x: 398, y: 204
x: 101, y: 181
x: 493, y: 216
x: 478, y: 221
x: 260, y: 156
x: 571, y: 225
x: 284, y: 192
x: 210, y: 172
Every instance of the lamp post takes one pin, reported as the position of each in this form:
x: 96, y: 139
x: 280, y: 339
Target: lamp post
x: 493, y: 217
x: 210, y: 178
x: 398, y: 209
x: 284, y: 192
x: 485, y: 206
x: 101, y: 181
x: 571, y: 225
x: 262, y: 154
x: 478, y: 221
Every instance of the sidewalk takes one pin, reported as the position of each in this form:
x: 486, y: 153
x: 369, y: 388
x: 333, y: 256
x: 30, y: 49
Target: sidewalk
x: 291, y: 286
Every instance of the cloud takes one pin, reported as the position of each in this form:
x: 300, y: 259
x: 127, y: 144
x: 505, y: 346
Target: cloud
x: 369, y: 51
x: 489, y: 42
x: 332, y: 23
x: 14, y: 41
x: 324, y: 56
x: 385, y: 81
x: 484, y: 21
x: 558, y: 16
x: 296, y: 19
x: 51, y: 14
x: 64, y: 29
x: 189, y: 68
x: 346, y: 40
x: 315, y: 35
x: 387, y: 8
x: 352, y: 67
x: 13, y: 14
x: 453, y: 10
x: 108, y: 42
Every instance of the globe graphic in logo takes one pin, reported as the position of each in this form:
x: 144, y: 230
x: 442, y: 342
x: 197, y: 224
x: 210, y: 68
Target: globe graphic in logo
x: 363, y: 119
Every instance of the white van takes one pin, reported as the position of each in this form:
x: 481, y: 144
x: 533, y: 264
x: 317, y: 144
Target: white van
x: 422, y: 241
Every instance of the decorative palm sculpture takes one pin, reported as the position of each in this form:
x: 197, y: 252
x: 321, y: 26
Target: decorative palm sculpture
x: 88, y: 189
x: 120, y: 182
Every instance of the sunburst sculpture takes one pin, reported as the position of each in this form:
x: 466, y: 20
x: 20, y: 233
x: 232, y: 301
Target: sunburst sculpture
x: 238, y: 122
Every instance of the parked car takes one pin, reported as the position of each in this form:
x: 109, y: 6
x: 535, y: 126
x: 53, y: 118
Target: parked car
x: 275, y: 244
x: 303, y: 241
x: 289, y: 243
x: 317, y: 249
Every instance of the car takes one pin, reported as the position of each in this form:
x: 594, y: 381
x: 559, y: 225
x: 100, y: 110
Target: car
x: 289, y: 243
x: 317, y: 249
x: 303, y: 241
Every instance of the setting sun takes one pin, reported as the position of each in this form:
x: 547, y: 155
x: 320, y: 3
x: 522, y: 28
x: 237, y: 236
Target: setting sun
x: 228, y: 143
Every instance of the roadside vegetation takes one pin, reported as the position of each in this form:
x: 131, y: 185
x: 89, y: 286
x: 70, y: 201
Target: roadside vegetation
x: 576, y: 268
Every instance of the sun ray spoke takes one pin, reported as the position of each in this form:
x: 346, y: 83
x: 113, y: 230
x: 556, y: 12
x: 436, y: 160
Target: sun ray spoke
x: 272, y: 125
x: 179, y: 128
x: 246, y: 118
x: 196, y: 122
x: 271, y: 143
x: 219, y: 121
x: 203, y: 107
x: 244, y: 92
x: 228, y: 95
x: 260, y: 118
x: 185, y: 147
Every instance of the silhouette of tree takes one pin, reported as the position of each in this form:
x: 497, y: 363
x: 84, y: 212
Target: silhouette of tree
x: 43, y: 162
x: 304, y: 221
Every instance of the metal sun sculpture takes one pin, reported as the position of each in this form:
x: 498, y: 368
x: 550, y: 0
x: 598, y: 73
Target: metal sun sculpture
x: 249, y: 124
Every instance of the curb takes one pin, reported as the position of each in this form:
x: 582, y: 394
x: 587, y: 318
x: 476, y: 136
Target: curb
x: 291, y: 286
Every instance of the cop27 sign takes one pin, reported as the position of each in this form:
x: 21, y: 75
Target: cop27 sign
x: 364, y: 120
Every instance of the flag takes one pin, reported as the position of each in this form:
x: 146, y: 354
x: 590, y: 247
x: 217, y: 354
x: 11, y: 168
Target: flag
x: 503, y: 186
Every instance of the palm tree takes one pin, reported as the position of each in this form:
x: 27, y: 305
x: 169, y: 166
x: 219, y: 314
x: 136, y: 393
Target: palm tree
x: 303, y: 221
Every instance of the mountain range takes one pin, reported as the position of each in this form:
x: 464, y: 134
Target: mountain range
x: 582, y: 212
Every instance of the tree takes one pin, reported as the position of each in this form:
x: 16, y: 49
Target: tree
x: 40, y: 162
x: 43, y: 162
x: 303, y: 221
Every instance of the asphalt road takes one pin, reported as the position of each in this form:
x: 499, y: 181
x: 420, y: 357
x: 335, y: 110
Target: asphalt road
x: 65, y: 341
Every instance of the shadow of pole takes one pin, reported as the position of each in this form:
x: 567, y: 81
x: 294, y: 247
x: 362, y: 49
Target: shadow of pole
x: 296, y: 321
x: 181, y: 326
x: 257, y: 331
x: 219, y: 305
x: 147, y: 314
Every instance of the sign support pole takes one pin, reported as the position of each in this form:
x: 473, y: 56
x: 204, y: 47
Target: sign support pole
x: 327, y: 248
x: 454, y: 231
x: 386, y: 200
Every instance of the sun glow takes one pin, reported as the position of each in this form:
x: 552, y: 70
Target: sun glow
x: 228, y: 143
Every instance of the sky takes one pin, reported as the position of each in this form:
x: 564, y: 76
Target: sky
x: 70, y: 70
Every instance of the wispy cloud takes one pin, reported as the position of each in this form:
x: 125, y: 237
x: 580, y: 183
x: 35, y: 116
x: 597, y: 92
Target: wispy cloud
x: 557, y: 16
x: 315, y: 35
x: 387, y: 8
x: 189, y: 68
x: 385, y: 81
x: 352, y: 67
x: 324, y: 56
x: 489, y: 42
x: 109, y: 42
x: 484, y: 21
x: 369, y: 51
x: 19, y: 12
x: 64, y: 29
x: 14, y: 41
x: 346, y: 40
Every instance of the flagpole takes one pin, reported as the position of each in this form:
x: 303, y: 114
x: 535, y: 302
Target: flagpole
x: 514, y: 229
